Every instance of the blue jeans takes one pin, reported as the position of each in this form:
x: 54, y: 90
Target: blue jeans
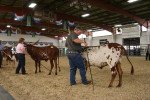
x: 76, y: 61
x: 21, y: 63
x: 0, y: 59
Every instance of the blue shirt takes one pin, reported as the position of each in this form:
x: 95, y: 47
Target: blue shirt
x: 1, y: 47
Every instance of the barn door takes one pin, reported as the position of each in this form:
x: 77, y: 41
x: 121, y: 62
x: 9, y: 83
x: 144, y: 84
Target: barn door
x: 132, y: 46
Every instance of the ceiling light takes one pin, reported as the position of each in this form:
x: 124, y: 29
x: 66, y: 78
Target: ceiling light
x: 43, y: 29
x: 32, y: 5
x: 85, y: 15
x: 130, y: 1
x: 89, y: 30
x: 118, y: 25
x: 8, y: 26
x: 135, y: 23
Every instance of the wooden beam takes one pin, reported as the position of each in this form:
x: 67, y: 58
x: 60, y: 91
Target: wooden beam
x: 68, y: 17
x: 107, y: 6
x: 15, y: 9
x: 59, y: 15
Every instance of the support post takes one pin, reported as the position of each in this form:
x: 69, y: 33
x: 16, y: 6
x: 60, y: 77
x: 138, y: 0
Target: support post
x: 90, y: 38
x: 148, y: 31
x: 114, y: 35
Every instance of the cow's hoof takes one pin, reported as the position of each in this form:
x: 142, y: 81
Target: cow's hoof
x: 35, y: 72
x: 59, y: 70
x: 49, y: 74
x: 119, y: 85
x: 109, y: 86
x: 55, y: 73
x: 39, y: 71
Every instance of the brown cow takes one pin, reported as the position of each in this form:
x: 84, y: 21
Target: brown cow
x: 44, y: 53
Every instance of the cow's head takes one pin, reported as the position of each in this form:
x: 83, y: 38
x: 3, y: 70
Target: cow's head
x: 29, y: 48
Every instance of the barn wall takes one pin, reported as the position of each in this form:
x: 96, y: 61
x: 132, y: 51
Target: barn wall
x: 28, y: 38
x: 144, y: 38
x: 96, y: 40
x: 119, y: 39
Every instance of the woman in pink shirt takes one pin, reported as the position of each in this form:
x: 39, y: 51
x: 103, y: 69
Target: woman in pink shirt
x: 21, y: 56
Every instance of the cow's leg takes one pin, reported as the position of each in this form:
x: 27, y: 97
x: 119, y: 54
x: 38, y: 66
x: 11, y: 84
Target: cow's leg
x: 39, y: 66
x: 55, y: 61
x: 120, y: 72
x: 13, y: 61
x: 52, y: 65
x: 6, y: 61
x: 35, y: 66
x: 113, y: 71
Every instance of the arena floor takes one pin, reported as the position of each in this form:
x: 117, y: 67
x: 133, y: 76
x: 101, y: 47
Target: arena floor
x: 42, y: 86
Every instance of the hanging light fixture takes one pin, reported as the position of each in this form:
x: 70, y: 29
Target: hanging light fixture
x: 32, y: 5
x: 8, y: 26
x: 80, y: 5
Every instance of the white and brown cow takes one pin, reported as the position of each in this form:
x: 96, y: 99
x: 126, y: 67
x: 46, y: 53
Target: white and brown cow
x: 107, y: 54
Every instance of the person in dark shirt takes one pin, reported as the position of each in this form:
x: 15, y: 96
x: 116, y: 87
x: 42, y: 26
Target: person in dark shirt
x: 73, y: 43
x: 147, y: 55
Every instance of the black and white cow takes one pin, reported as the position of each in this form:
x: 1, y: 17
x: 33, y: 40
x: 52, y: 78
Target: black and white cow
x: 108, y: 54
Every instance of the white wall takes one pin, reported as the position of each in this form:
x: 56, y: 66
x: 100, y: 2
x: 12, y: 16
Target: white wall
x: 144, y: 38
x: 28, y: 38
x: 131, y: 32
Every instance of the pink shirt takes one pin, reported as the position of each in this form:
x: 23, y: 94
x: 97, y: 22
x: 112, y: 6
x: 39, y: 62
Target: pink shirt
x: 20, y: 48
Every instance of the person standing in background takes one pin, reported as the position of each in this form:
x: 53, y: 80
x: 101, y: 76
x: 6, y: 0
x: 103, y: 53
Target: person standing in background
x: 147, y: 55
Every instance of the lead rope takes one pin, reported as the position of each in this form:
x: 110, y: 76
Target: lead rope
x: 90, y: 69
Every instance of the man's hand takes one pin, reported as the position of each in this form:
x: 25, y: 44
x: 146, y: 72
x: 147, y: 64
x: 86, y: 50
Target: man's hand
x: 85, y: 44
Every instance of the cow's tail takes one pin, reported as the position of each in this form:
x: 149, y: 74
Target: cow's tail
x: 132, y: 68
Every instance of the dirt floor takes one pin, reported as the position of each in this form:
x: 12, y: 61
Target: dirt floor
x: 42, y: 86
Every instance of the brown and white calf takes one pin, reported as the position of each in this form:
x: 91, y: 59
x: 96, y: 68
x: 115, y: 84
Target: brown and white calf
x: 11, y: 57
x: 108, y: 54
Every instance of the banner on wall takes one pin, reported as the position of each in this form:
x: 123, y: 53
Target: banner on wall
x: 14, y: 43
x: 38, y: 33
x: 19, y: 17
x: 71, y: 24
x: 10, y: 42
x: 4, y: 42
x: 46, y: 43
x: 14, y: 31
x: 28, y: 33
x: 2, y: 30
x: 41, y: 43
x: 37, y: 20
x: 59, y: 22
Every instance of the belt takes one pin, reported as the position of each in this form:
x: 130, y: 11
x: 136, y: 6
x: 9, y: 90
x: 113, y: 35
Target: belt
x: 72, y: 52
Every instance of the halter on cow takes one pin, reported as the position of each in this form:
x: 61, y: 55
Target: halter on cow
x: 44, y: 53
x: 107, y: 54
